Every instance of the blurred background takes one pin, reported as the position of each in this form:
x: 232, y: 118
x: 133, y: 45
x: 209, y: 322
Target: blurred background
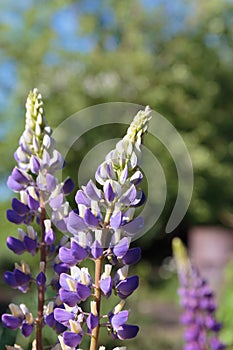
x: 177, y: 57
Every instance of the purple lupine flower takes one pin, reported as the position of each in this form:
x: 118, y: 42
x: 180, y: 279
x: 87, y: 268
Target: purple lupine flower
x: 20, y: 317
x: 49, y: 318
x: 106, y: 281
x: 73, y: 255
x: 197, y: 299
x: 75, y: 287
x: 120, y: 329
x: 20, y: 278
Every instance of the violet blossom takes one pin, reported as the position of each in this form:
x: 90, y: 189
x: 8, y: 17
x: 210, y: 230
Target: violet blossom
x: 197, y: 299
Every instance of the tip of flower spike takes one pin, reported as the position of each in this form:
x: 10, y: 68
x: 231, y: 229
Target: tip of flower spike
x: 180, y: 255
x: 139, y: 124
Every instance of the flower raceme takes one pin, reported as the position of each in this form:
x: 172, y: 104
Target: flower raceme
x: 99, y: 229
x: 197, y: 299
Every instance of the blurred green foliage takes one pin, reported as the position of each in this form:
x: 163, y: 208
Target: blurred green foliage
x: 82, y: 53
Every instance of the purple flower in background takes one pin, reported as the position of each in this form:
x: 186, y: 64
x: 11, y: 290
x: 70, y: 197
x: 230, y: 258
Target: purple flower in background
x: 197, y: 299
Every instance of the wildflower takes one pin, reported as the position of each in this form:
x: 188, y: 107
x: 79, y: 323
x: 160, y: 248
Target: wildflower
x: 197, y: 299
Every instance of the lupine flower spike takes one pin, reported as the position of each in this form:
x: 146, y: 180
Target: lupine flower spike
x: 102, y: 227
x: 33, y: 179
x: 197, y: 299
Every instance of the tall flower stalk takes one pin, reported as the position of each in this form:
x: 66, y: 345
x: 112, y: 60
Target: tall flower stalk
x: 197, y: 299
x: 99, y: 229
x: 33, y: 178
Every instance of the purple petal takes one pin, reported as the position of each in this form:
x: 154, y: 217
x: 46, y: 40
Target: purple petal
x: 216, y: 344
x: 14, y: 185
x: 79, y: 252
x: 90, y: 218
x: 127, y: 331
x: 191, y: 333
x: 10, y: 321
x: 121, y: 248
x: 68, y: 186
x: 15, y: 245
x: 92, y: 191
x: 12, y: 216
x: 69, y: 298
x: 34, y: 165
x: 115, y: 221
x: 63, y: 280
x: 106, y: 286
x: 21, y: 277
x: 66, y: 256
x: 134, y: 226
x: 96, y: 250
x: 81, y: 198
x: 27, y: 329
x: 9, y: 278
x: 108, y: 192
x: 132, y: 256
x: 19, y: 176
x: 30, y: 244
x: 139, y: 200
x: 83, y: 291
x: 75, y: 223
x: 63, y: 316
x: 55, y: 203
x: 59, y: 328
x: 33, y: 203
x: 72, y: 339
x: 119, y: 319
x: 136, y: 178
x: 19, y: 207
x: 124, y: 175
x: 41, y: 279
x: 49, y: 320
x: 92, y: 321
x: 50, y: 237
x: 127, y: 286
x: 129, y: 196
x: 51, y: 182
x: 60, y: 268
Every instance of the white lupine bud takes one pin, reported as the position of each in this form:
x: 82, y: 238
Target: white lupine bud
x: 107, y: 270
x: 123, y: 272
x: 75, y: 272
x: 16, y: 310
x: 15, y: 347
x: 75, y: 327
x: 119, y: 307
x: 46, y: 141
x: 31, y: 232
x: 84, y: 276
x: 38, y: 130
x: 21, y: 234
x: 47, y: 224
x: 39, y: 117
x: 24, y: 309
x: 94, y: 308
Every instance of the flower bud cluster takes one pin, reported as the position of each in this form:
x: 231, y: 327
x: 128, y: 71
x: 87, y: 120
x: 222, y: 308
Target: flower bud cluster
x: 197, y: 299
